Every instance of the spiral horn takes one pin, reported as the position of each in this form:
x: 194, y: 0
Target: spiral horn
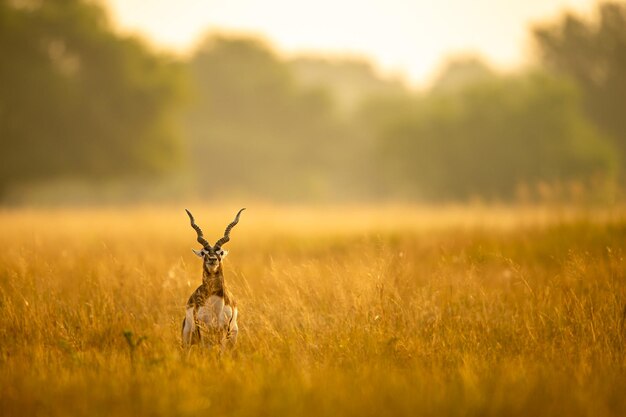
x: 226, y: 237
x: 201, y: 238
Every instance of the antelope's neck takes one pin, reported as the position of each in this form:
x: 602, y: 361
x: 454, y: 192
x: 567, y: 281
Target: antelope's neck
x: 214, y: 281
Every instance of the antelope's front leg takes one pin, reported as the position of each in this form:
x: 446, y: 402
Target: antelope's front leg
x: 189, y: 327
x: 230, y: 326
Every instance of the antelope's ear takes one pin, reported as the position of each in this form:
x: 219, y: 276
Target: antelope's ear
x: 223, y: 253
x: 199, y: 253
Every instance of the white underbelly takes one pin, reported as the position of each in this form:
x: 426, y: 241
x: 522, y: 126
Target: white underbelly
x: 215, y: 313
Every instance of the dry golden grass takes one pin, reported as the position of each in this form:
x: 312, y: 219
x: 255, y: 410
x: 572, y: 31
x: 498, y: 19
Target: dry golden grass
x: 394, y: 311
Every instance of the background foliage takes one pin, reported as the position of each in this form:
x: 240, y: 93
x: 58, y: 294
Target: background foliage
x: 592, y: 53
x: 79, y: 102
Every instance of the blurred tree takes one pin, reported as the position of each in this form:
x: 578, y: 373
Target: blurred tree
x: 77, y: 100
x: 593, y: 54
x: 460, y: 71
x: 254, y: 130
x: 485, y: 139
x: 349, y: 80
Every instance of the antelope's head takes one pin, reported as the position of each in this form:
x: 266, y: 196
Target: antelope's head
x: 212, y: 255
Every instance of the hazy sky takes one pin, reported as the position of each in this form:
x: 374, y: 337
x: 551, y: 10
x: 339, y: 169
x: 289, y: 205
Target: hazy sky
x: 405, y: 37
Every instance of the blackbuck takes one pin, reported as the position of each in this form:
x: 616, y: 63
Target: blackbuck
x: 211, y: 314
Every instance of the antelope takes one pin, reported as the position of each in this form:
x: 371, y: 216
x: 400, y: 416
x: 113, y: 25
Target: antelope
x: 211, y: 312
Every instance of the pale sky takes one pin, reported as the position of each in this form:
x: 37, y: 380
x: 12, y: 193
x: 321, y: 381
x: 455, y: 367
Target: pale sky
x: 409, y: 38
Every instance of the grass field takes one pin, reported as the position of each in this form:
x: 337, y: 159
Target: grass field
x: 346, y: 312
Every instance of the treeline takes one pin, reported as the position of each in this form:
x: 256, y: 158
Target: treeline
x: 497, y: 137
x: 79, y: 101
x: 236, y: 119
